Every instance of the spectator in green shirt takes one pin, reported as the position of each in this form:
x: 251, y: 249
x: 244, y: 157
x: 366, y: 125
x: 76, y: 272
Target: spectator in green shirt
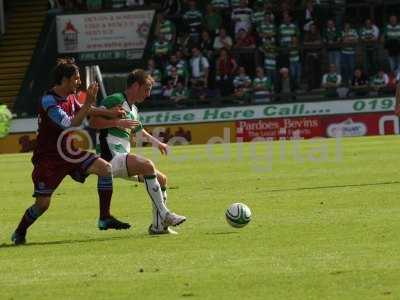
x: 349, y: 38
x: 391, y: 40
x: 262, y: 87
x: 242, y: 85
x: 331, y: 37
x: 193, y: 20
x: 379, y: 83
x: 331, y: 81
x: 180, y: 94
x: 258, y: 14
x: 180, y: 65
x: 161, y: 49
x: 157, y: 76
x: 267, y: 32
x: 212, y: 20
x: 289, y: 42
x: 165, y: 27
x: 369, y: 34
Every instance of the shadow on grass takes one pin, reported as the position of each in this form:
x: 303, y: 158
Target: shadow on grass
x: 83, y: 241
x: 222, y: 233
x: 331, y: 187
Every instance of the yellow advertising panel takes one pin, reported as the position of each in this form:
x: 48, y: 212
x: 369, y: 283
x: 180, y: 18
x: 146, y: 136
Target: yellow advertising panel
x: 18, y: 143
x: 199, y: 133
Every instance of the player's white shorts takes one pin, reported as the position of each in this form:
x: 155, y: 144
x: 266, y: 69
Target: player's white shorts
x: 120, y: 167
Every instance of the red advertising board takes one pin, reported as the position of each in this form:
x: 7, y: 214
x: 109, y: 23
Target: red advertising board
x: 360, y: 124
x: 279, y: 128
x: 345, y: 125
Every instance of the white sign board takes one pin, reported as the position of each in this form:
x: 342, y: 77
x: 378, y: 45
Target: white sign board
x: 269, y: 111
x: 103, y: 31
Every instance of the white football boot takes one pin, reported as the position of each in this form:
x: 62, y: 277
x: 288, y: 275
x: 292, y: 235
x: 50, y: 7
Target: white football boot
x: 172, y: 219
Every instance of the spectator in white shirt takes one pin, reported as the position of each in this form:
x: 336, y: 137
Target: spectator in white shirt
x: 199, y: 67
x: 222, y: 40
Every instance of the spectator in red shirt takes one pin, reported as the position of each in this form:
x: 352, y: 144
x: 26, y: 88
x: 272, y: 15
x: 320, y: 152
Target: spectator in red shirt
x: 225, y: 69
x: 245, y: 40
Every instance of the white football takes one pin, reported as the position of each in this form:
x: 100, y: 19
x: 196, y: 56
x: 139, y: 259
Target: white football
x: 238, y: 215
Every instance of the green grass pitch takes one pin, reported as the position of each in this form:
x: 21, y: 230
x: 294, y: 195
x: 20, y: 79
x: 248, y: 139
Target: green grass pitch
x: 326, y: 225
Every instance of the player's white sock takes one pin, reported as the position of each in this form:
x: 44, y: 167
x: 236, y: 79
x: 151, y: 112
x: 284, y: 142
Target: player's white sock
x: 157, y: 221
x: 155, y: 193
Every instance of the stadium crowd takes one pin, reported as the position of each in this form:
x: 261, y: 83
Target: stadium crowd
x: 264, y: 50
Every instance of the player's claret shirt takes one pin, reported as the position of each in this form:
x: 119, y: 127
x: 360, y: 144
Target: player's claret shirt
x: 55, y: 115
x: 112, y: 141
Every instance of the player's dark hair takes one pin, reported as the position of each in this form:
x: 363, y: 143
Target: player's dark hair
x: 65, y: 68
x: 139, y: 76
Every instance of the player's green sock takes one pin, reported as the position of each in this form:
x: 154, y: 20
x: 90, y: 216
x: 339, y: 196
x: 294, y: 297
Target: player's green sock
x: 155, y: 193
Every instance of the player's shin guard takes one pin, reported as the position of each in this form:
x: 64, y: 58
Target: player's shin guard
x: 157, y: 221
x: 30, y: 216
x: 105, y: 191
x: 156, y: 196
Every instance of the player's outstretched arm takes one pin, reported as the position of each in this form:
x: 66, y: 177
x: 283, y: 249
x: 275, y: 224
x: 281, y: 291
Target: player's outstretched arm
x: 98, y: 122
x: 155, y: 142
x: 116, y: 112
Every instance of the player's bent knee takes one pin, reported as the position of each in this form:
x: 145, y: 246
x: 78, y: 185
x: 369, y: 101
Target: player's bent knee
x: 105, y: 170
x: 100, y: 167
x: 162, y: 178
x: 108, y: 170
x: 148, y: 167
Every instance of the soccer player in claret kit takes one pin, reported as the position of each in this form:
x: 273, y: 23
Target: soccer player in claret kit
x: 114, y: 146
x: 54, y: 158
